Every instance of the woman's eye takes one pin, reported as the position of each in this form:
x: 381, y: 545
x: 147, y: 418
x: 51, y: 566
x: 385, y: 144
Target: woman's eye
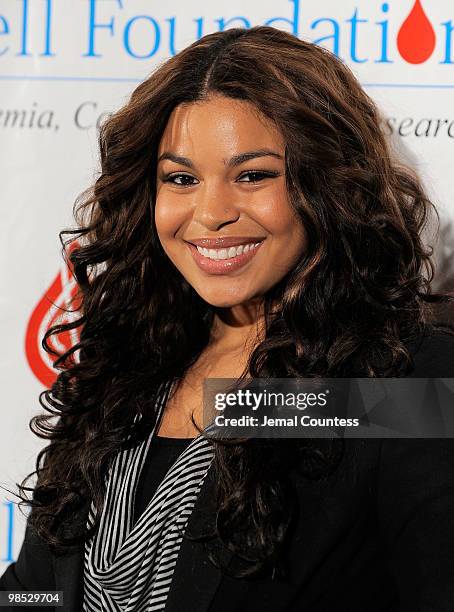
x: 186, y: 180
x: 183, y: 178
x: 255, y: 176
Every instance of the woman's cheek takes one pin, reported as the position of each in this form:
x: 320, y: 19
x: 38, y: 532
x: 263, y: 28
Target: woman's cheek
x: 167, y: 218
x: 274, y: 214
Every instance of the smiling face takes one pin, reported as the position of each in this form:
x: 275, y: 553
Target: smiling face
x: 221, y: 184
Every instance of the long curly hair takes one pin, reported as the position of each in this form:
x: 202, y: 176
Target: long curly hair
x: 360, y: 292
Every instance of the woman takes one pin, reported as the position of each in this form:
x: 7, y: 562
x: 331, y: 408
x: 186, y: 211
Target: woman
x: 251, y: 140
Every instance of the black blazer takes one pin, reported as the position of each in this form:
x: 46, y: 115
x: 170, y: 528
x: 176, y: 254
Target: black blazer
x: 375, y: 536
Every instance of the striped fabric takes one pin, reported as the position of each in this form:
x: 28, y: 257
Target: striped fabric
x: 130, y: 567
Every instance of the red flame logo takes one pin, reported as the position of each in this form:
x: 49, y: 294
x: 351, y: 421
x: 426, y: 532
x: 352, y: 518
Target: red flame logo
x: 416, y: 38
x: 48, y: 312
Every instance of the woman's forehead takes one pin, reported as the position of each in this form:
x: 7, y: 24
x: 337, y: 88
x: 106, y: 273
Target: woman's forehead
x: 219, y: 123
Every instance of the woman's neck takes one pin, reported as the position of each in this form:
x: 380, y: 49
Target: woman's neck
x: 238, y: 326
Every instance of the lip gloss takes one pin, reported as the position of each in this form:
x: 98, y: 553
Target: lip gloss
x: 222, y: 266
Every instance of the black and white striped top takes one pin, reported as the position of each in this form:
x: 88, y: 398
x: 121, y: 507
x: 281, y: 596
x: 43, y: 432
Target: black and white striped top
x: 129, y: 567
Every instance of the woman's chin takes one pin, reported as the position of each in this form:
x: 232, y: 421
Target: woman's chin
x: 224, y: 300
x: 224, y: 303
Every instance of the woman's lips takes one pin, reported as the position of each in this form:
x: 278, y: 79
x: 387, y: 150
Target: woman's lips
x: 222, y: 266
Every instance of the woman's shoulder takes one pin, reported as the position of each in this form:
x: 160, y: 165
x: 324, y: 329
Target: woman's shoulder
x: 433, y: 352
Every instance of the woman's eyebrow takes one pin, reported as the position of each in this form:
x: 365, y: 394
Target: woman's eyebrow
x: 235, y: 160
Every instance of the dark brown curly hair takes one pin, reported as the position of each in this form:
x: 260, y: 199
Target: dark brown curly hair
x: 360, y: 292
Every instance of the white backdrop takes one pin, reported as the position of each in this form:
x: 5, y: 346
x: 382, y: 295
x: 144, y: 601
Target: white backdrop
x: 65, y: 63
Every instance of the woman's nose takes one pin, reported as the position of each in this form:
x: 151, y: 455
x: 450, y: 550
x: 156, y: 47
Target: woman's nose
x: 215, y: 206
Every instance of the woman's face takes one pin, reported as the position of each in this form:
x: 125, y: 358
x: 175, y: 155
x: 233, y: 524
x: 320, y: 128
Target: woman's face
x: 221, y: 185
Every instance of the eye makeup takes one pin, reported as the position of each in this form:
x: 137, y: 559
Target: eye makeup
x: 256, y: 176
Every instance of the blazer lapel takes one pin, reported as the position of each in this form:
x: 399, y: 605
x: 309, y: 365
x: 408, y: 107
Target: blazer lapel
x: 196, y: 578
x: 68, y: 572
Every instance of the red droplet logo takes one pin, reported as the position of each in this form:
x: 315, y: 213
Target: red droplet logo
x: 416, y: 38
x: 46, y: 313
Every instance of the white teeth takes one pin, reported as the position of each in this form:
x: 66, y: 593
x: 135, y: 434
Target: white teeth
x: 227, y: 253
